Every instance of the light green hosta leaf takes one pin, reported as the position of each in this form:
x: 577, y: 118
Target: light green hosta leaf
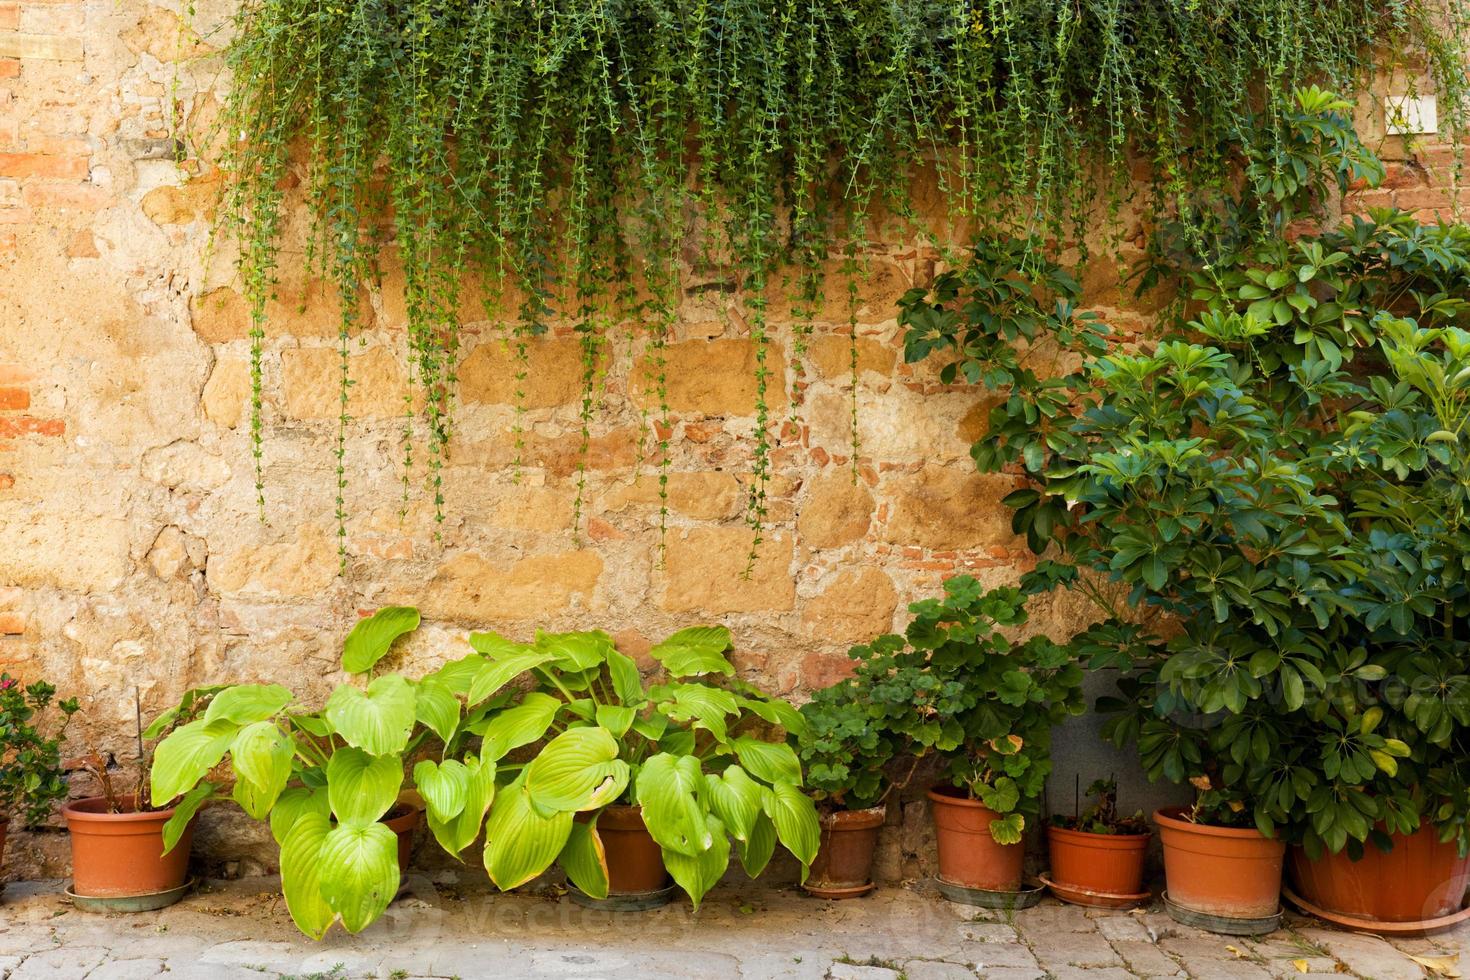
x: 777, y: 712
x: 262, y: 756
x: 584, y: 860
x: 500, y: 672
x: 616, y: 718
x: 443, y: 786
x: 301, y: 874
x: 184, y: 812
x: 736, y: 799
x: 705, y: 707
x: 669, y: 789
x: 185, y: 706
x: 577, y: 770
x: 695, y: 651
x: 527, y: 722
x: 497, y: 647
x: 436, y: 706
x: 362, y: 787
x: 698, y: 873
x: 756, y: 852
x: 795, y: 819
x: 576, y: 651
x: 520, y: 843
x: 295, y: 803
x: 247, y: 703
x: 377, y: 721
x: 772, y: 762
x: 371, y: 637
x: 187, y: 755
x: 456, y: 833
x: 359, y: 872
x: 458, y: 675
x: 627, y: 683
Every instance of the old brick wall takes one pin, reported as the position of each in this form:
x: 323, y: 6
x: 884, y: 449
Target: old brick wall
x: 131, y: 554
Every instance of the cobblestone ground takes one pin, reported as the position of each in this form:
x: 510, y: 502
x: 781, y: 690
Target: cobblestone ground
x: 240, y: 931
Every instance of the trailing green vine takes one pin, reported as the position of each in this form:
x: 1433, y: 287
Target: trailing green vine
x: 558, y: 151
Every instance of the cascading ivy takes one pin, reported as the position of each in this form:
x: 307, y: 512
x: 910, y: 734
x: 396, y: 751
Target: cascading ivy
x: 560, y: 151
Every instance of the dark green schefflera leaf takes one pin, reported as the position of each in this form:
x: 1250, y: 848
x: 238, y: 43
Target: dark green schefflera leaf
x: 371, y: 638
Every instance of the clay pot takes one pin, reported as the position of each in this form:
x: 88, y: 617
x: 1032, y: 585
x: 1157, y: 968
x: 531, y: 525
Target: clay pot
x: 635, y: 863
x: 1230, y: 872
x: 1420, y: 879
x: 843, y: 867
x: 968, y: 855
x: 120, y: 855
x: 1084, y: 864
x: 403, y: 820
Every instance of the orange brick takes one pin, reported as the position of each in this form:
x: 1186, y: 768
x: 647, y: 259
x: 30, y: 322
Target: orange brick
x: 1426, y: 197
x: 12, y: 624
x: 25, y: 425
x: 14, y: 398
x: 9, y: 16
x: 75, y: 197
x: 9, y: 67
x: 6, y: 481
x: 14, y: 374
x: 58, y: 146
x: 42, y: 165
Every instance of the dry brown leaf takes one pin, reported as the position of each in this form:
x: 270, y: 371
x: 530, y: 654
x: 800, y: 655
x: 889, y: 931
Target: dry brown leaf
x: 1439, y: 966
x: 1302, y: 966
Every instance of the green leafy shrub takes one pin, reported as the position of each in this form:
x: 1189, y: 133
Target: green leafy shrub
x: 31, y: 777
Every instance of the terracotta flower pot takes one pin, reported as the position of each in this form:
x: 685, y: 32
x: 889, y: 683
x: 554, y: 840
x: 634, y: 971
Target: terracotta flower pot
x: 1231, y: 872
x: 968, y: 855
x: 843, y: 867
x: 1087, y: 868
x: 403, y: 820
x: 635, y: 863
x: 120, y: 855
x: 1420, y: 879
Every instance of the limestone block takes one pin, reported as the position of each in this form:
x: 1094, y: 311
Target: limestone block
x: 705, y: 571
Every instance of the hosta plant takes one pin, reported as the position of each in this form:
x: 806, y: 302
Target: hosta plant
x: 323, y: 776
x: 958, y: 688
x: 701, y: 753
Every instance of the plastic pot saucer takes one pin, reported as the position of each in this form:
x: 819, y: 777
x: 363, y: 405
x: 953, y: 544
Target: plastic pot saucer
x: 984, y: 898
x: 1381, y: 927
x: 1077, y: 895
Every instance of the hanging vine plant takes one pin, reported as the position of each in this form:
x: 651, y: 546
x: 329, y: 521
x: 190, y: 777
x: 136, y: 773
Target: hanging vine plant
x: 557, y: 149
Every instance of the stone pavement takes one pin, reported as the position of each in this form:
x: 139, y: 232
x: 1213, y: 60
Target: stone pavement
x: 240, y: 931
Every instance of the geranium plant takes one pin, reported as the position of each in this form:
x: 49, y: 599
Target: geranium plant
x: 31, y: 777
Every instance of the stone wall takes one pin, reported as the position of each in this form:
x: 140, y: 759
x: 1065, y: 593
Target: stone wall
x: 132, y: 558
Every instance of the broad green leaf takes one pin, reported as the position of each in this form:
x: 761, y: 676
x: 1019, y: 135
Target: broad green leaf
x: 443, y: 786
x: 736, y: 799
x: 500, y: 672
x: 301, y: 868
x: 458, y: 675
x: 772, y: 762
x: 436, y: 706
x: 576, y: 651
x: 584, y: 860
x: 457, y: 833
x: 295, y: 803
x: 1009, y: 830
x: 186, y: 705
x: 377, y: 721
x: 756, y: 852
x: 616, y: 718
x: 777, y: 712
x: 262, y: 756
x: 695, y: 651
x: 668, y: 788
x: 513, y: 727
x: 184, y: 811
x: 520, y: 843
x: 795, y: 819
x: 247, y: 703
x: 707, y: 707
x: 362, y: 787
x: 497, y: 647
x: 626, y: 681
x: 371, y: 638
x: 359, y: 872
x: 698, y: 873
x: 187, y: 755
x: 577, y: 770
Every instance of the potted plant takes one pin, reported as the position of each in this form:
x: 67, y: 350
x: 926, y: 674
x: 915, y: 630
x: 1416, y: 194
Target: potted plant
x: 954, y: 687
x: 845, y: 753
x: 329, y: 780
x: 635, y: 782
x: 31, y: 777
x: 1097, y: 856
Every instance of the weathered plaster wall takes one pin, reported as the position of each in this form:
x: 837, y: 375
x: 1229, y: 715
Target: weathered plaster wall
x: 131, y: 555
